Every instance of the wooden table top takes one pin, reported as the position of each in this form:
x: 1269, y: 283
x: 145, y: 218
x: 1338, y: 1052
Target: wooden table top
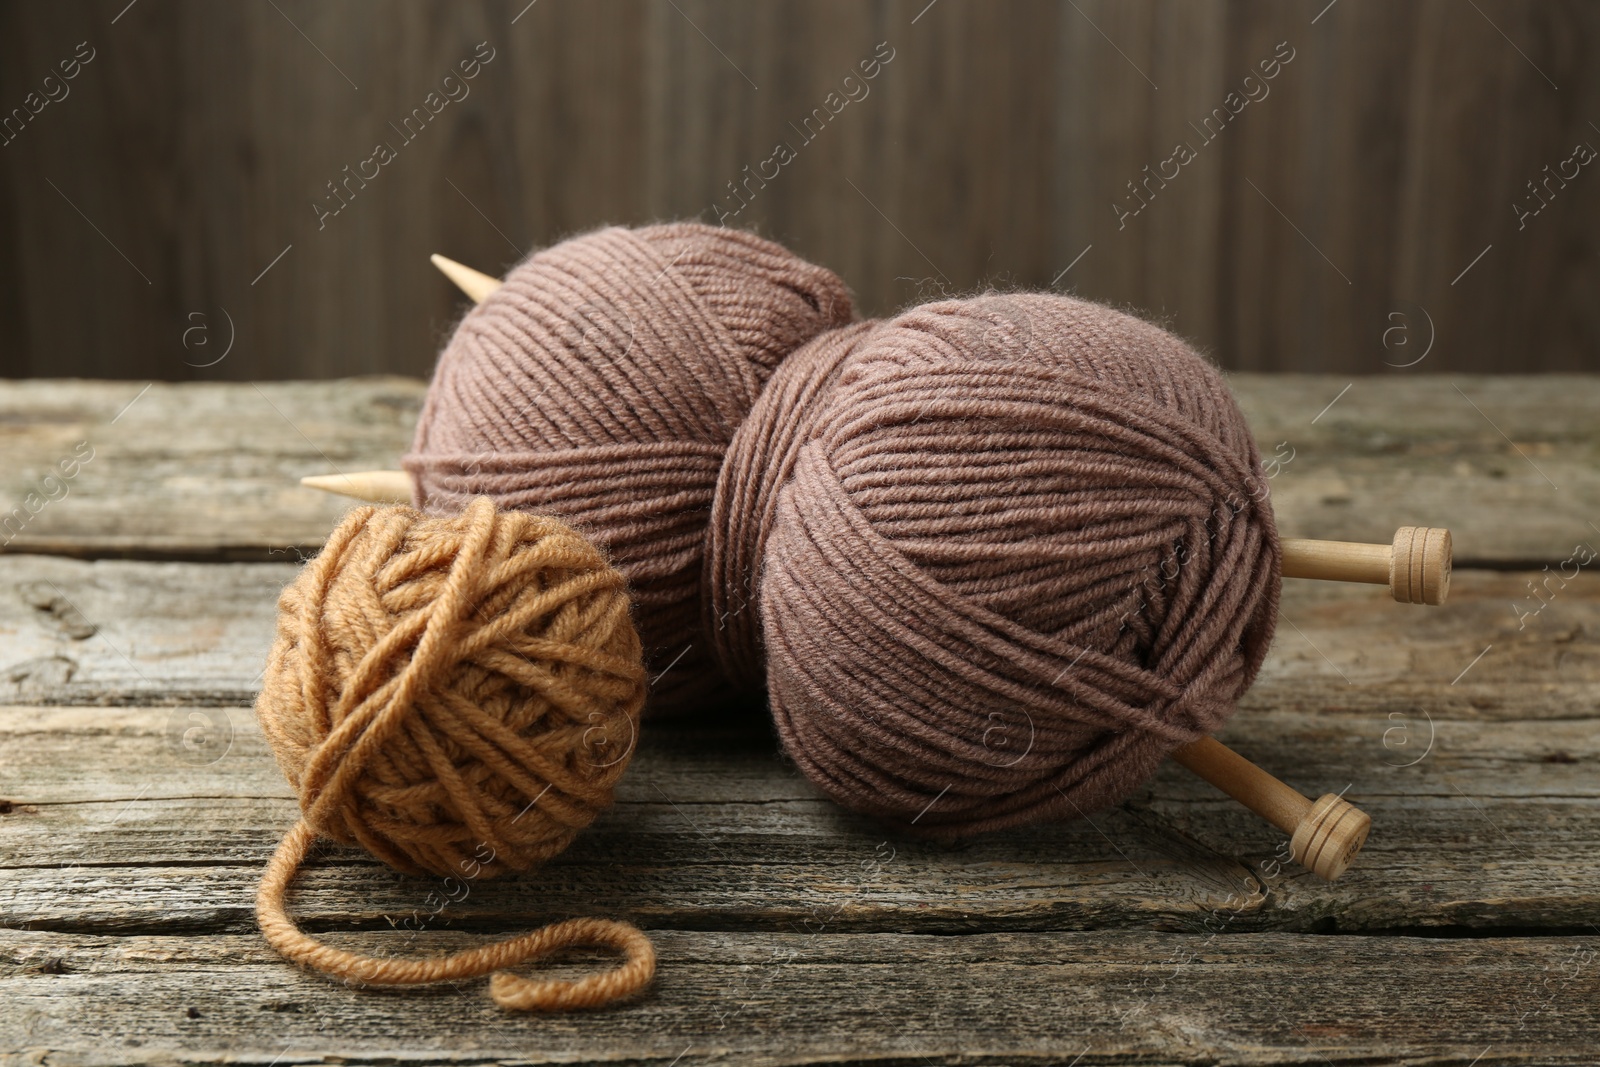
x: 139, y: 803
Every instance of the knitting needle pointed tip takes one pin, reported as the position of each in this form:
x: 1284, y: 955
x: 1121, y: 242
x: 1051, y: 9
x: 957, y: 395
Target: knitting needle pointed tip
x: 475, y: 284
x: 377, y: 487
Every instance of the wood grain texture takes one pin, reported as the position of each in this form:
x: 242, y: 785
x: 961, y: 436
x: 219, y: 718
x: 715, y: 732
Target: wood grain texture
x: 1000, y: 998
x: 118, y: 826
x: 197, y: 471
x: 139, y: 802
x: 210, y: 471
x: 129, y: 632
x: 1477, y: 768
x: 1383, y: 159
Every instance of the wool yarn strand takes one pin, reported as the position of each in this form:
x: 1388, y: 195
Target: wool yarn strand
x: 458, y: 695
x: 509, y: 990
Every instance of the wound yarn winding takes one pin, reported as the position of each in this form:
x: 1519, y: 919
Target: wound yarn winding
x: 602, y: 383
x: 993, y: 559
x: 459, y: 696
x: 990, y: 560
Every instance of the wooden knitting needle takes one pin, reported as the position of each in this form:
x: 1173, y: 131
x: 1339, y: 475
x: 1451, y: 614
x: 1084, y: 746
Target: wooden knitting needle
x: 475, y: 284
x: 1415, y: 567
x: 1325, y: 834
x: 377, y: 487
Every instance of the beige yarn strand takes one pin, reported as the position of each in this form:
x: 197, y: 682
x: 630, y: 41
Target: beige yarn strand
x: 509, y: 990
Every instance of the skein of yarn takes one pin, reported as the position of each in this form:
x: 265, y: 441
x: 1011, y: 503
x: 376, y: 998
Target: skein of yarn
x: 602, y: 383
x: 1074, y: 486
x: 1024, y: 513
x: 459, y: 695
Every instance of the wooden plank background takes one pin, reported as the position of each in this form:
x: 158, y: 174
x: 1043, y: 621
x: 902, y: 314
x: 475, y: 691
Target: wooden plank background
x: 1164, y: 931
x: 1384, y: 161
x: 210, y: 470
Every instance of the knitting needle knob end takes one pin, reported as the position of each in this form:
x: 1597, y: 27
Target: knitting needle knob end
x: 1419, y: 567
x: 1329, y: 836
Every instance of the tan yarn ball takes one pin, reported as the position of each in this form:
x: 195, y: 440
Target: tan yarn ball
x: 459, y: 695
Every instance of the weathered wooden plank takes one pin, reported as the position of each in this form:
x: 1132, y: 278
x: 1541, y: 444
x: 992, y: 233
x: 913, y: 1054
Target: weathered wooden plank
x: 129, y: 632
x: 115, y: 631
x: 711, y: 828
x: 116, y: 826
x: 202, y: 471
x: 818, y: 997
x: 1496, y: 818
x: 208, y: 471
x: 1510, y: 465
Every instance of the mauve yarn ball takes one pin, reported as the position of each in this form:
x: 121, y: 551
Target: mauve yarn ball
x: 602, y: 383
x: 1005, y: 554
